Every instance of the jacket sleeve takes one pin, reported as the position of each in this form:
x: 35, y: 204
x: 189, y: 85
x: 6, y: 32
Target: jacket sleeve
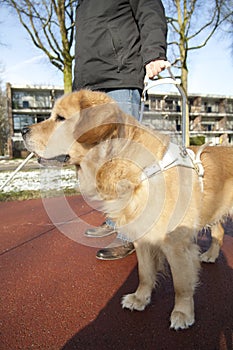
x: 150, y: 16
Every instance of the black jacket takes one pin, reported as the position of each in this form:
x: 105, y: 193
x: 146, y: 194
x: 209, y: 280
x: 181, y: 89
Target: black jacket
x: 114, y: 41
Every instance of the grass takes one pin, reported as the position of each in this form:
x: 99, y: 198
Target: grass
x: 16, y: 194
x: 25, y: 195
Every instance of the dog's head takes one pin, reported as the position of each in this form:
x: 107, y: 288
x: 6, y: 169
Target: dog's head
x: 78, y: 121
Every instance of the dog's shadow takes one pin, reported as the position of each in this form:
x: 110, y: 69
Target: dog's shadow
x: 115, y: 328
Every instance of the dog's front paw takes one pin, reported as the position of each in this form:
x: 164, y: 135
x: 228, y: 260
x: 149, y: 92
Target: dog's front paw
x: 179, y: 320
x: 133, y: 302
x: 209, y: 257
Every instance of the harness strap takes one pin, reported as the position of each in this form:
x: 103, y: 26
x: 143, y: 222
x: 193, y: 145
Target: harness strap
x: 196, y: 159
x: 174, y: 156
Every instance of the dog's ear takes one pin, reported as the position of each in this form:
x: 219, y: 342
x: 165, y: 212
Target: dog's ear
x: 98, y: 123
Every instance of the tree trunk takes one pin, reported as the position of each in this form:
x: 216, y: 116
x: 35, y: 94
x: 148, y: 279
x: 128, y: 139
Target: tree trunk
x: 184, y: 84
x: 67, y: 76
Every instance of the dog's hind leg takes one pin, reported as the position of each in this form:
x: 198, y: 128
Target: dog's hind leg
x: 183, y: 257
x: 217, y: 233
x: 150, y: 261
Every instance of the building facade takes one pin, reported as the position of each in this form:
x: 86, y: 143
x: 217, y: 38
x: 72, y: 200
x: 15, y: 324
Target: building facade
x: 27, y: 105
x: 210, y: 116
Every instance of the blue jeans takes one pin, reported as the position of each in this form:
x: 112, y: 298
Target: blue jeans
x: 128, y: 100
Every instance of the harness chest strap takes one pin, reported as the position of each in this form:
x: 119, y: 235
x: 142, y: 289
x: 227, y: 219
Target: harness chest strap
x: 175, y: 157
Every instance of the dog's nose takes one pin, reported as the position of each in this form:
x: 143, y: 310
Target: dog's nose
x: 25, y: 130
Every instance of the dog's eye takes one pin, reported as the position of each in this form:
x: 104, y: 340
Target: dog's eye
x: 59, y: 118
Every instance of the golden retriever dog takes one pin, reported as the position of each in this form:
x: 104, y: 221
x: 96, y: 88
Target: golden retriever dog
x: 159, y: 195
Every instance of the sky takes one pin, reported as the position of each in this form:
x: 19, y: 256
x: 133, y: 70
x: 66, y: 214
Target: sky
x: 210, y: 69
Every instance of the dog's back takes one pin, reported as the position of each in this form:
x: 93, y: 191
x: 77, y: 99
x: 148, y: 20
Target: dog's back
x: 217, y: 196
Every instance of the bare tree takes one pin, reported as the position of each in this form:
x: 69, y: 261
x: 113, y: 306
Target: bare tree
x: 4, y: 129
x: 228, y: 29
x: 192, y: 23
x: 50, y: 25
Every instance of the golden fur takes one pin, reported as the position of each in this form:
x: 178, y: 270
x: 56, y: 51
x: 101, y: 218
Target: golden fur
x: 161, y: 214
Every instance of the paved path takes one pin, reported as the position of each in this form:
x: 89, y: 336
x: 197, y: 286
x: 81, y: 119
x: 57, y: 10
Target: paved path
x: 56, y: 295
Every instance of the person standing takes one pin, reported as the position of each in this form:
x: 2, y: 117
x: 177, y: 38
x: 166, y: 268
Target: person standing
x: 117, y: 43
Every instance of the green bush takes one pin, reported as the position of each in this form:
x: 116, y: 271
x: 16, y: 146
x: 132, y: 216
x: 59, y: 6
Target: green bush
x: 197, y: 140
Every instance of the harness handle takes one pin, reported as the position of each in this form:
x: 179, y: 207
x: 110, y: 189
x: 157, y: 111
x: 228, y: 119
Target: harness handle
x: 171, y: 80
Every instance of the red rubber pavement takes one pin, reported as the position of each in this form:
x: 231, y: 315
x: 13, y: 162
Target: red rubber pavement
x: 56, y: 295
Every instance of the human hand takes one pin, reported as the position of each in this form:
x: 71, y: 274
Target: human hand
x: 155, y: 67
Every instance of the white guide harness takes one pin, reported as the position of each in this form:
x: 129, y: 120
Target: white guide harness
x: 173, y: 157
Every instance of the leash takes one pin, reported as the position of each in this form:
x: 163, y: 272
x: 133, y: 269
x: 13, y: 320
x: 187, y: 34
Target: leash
x: 16, y: 170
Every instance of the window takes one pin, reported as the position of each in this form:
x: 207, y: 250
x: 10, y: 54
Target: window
x: 42, y: 99
x: 25, y: 104
x: 22, y: 99
x: 230, y: 107
x: 21, y: 121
